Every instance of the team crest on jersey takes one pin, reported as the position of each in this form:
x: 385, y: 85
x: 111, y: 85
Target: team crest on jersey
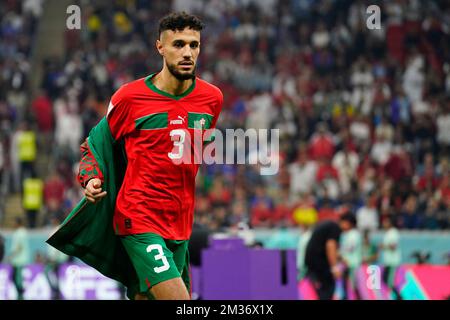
x: 179, y: 120
x: 200, y: 124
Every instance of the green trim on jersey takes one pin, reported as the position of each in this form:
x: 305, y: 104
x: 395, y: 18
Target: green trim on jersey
x: 149, y: 83
x: 195, y: 120
x: 152, y: 121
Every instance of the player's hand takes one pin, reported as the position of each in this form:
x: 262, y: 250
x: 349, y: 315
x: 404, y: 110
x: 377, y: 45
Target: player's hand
x: 337, y: 272
x: 93, y: 191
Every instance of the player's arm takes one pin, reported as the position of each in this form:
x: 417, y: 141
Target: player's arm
x: 90, y: 175
x: 332, y: 252
x: 120, y: 123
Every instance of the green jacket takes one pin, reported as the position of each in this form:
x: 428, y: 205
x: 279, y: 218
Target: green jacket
x: 88, y: 233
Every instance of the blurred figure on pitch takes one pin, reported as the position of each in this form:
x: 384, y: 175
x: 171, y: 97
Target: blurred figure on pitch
x: 391, y: 257
x: 55, y: 259
x: 322, y: 255
x: 369, y: 249
x: 20, y: 255
x: 306, y: 225
x: 351, y: 253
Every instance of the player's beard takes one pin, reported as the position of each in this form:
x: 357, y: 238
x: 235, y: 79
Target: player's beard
x: 180, y: 76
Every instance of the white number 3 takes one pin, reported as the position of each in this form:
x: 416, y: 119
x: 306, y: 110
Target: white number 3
x: 177, y: 142
x: 159, y: 256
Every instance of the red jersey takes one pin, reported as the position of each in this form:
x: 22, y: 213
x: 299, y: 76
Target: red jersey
x: 157, y: 194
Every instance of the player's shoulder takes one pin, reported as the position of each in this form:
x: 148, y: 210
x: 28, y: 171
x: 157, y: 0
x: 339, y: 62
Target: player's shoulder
x: 129, y: 90
x: 208, y: 88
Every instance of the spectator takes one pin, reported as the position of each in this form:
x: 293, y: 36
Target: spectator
x: 303, y: 174
x: 42, y: 109
x: 443, y: 126
x: 346, y: 163
x: 54, y: 190
x: 430, y: 219
x: 261, y: 209
x: 410, y: 218
x: 321, y: 145
x: 367, y: 216
x: 327, y: 180
x: 381, y: 149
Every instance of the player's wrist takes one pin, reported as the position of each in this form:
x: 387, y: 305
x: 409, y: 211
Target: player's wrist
x: 335, y: 269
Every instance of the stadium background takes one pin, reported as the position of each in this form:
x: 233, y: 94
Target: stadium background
x: 363, y: 114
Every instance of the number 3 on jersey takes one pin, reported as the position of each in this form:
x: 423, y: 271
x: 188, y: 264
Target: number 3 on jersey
x: 177, y: 136
x: 159, y: 256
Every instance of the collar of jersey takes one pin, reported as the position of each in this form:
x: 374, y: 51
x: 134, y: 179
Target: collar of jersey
x: 149, y: 83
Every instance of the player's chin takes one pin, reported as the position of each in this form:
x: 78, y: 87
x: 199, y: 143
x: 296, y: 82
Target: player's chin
x: 185, y: 74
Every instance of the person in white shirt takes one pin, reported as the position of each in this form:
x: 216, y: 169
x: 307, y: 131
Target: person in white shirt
x: 346, y: 163
x: 367, y: 215
x: 303, y: 174
x: 20, y: 255
x: 351, y: 254
x: 305, y: 235
x: 391, y: 257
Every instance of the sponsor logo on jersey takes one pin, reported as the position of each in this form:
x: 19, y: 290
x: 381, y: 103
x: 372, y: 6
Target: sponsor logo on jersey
x: 179, y: 120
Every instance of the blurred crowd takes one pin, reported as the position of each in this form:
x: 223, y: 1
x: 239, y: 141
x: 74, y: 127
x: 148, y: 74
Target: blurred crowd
x: 364, y: 115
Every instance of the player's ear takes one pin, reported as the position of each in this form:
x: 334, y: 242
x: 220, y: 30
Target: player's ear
x: 160, y: 48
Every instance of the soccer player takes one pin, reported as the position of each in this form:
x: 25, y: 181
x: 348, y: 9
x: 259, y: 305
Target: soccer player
x: 154, y: 119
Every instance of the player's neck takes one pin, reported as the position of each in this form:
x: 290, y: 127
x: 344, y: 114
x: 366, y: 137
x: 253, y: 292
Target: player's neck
x: 166, y: 82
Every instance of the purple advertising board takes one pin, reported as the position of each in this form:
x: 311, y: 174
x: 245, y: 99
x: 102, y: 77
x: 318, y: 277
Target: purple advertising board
x: 76, y: 282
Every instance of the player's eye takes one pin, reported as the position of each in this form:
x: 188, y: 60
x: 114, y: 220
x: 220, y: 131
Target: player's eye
x: 178, y: 44
x: 194, y: 45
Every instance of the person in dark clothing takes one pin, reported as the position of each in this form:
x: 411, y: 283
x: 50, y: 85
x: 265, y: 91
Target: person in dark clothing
x: 199, y: 241
x: 321, y: 257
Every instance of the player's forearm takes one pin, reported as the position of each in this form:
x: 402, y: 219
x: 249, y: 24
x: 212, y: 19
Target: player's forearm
x: 332, y: 253
x: 89, y: 167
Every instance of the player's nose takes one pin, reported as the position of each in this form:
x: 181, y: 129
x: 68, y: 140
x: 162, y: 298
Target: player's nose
x: 187, y: 52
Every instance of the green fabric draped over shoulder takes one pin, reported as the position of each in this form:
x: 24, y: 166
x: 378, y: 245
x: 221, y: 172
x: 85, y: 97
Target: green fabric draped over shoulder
x: 88, y: 232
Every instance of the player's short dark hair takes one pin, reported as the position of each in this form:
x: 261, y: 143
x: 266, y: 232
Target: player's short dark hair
x: 179, y: 21
x: 348, y: 216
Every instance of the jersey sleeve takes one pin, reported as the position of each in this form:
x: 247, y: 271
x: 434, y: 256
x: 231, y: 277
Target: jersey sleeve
x: 119, y: 115
x: 89, y: 167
